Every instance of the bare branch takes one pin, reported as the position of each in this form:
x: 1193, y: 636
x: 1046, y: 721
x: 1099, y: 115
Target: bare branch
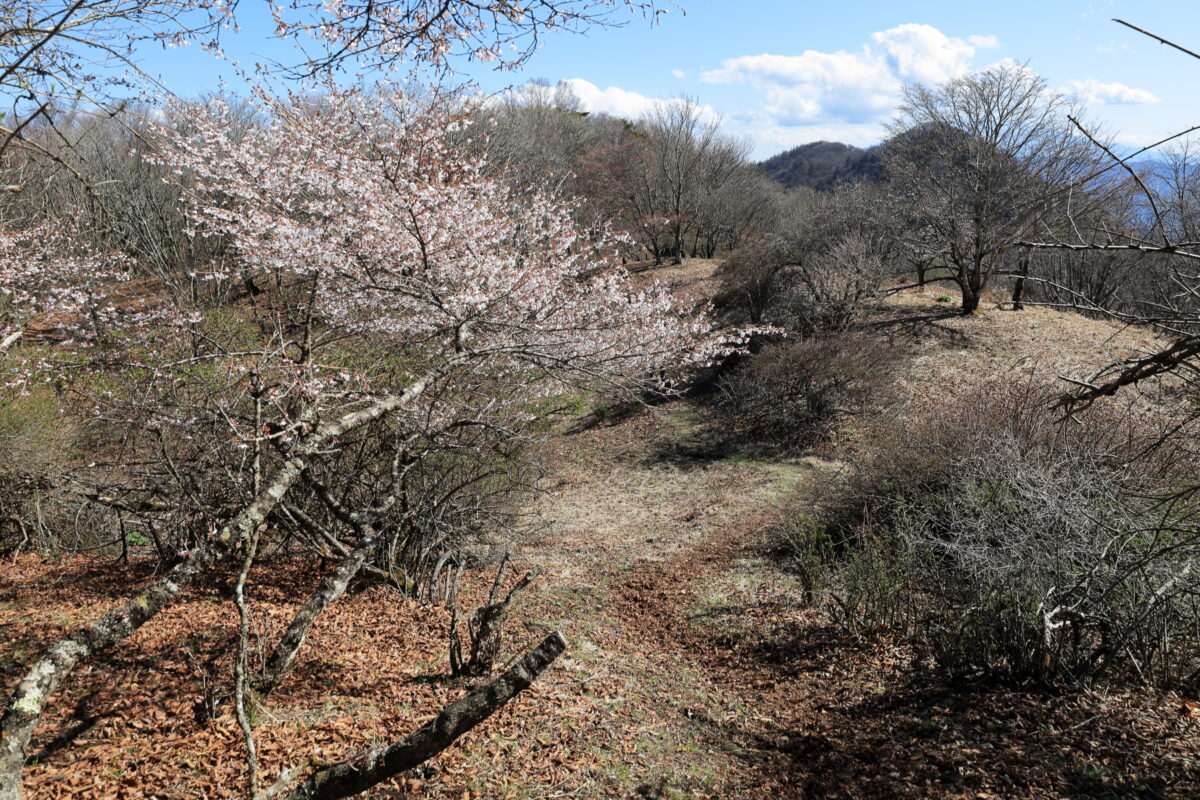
x: 376, y: 765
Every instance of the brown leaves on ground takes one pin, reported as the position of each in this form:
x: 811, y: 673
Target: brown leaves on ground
x: 127, y: 725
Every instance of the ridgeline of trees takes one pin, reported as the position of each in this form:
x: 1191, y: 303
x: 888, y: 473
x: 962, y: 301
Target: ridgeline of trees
x: 672, y: 182
x: 824, y: 165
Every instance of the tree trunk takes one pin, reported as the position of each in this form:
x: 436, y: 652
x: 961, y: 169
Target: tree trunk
x: 970, y: 295
x: 1019, y: 286
x: 331, y: 589
x: 376, y: 765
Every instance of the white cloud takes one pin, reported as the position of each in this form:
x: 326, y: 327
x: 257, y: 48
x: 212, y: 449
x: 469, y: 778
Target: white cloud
x: 614, y: 100
x: 770, y: 138
x: 922, y: 53
x: 846, y: 96
x: 984, y: 42
x: 815, y: 85
x: 1098, y: 7
x: 1137, y: 140
x: 850, y: 88
x: 1095, y: 92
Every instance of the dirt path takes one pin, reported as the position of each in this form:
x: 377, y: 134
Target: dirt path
x: 636, y: 541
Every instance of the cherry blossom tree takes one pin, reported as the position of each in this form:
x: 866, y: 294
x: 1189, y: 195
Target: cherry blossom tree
x: 395, y: 297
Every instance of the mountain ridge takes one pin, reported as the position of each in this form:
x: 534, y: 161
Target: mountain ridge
x: 823, y: 165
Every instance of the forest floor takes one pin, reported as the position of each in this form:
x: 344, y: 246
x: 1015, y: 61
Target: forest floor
x: 694, y: 669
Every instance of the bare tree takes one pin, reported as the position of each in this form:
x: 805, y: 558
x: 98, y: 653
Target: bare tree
x: 617, y: 178
x: 674, y: 183
x: 692, y: 161
x: 981, y: 160
x: 734, y: 201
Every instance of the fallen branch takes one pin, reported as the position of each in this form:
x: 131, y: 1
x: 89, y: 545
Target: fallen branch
x: 373, y: 766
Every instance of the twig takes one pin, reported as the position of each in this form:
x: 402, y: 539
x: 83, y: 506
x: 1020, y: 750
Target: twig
x: 1086, y: 722
x: 1156, y: 37
x: 1158, y: 217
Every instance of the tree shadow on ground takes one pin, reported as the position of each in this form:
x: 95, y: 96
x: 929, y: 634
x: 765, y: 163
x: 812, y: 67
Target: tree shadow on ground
x: 607, y: 414
x: 920, y: 325
x: 708, y: 434
x: 836, y: 716
x: 913, y: 741
x: 103, y: 579
x: 81, y: 721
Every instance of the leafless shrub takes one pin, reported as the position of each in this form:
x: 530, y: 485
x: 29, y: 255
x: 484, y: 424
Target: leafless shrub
x: 431, y: 486
x: 916, y: 456
x: 1086, y: 280
x: 857, y: 579
x: 832, y: 290
x: 1016, y: 547
x: 35, y: 448
x: 1047, y: 570
x: 752, y: 276
x: 795, y: 392
x: 823, y: 268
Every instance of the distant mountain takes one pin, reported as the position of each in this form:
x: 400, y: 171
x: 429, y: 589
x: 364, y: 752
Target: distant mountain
x: 823, y: 165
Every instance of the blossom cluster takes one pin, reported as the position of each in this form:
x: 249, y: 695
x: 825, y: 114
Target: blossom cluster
x: 398, y: 233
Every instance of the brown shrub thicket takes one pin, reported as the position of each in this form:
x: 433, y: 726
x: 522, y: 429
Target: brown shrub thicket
x: 795, y: 392
x: 822, y: 269
x: 1013, y: 545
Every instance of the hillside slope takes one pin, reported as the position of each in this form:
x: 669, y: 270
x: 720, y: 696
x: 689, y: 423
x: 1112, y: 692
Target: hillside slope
x: 694, y: 670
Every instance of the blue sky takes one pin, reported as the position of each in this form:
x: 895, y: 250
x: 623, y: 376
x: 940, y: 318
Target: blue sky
x: 785, y: 73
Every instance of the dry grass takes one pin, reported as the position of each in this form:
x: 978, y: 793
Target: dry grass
x: 695, y: 280
x: 615, y: 497
x: 951, y: 348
